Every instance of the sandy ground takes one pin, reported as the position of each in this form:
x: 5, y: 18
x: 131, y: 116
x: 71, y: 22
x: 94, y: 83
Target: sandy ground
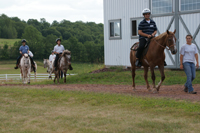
x: 172, y: 91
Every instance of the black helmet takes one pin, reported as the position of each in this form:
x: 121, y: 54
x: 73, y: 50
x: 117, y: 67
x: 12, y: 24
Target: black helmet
x: 58, y: 40
x: 23, y: 40
x: 52, y: 51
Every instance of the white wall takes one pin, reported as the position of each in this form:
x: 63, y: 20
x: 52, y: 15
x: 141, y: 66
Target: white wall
x: 117, y: 51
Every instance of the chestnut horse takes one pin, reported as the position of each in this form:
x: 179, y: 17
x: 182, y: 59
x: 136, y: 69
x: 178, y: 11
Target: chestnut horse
x: 155, y: 56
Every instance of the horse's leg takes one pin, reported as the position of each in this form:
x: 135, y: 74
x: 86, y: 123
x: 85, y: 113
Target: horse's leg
x: 58, y: 76
x: 146, y: 76
x: 133, y: 76
x: 161, y: 69
x: 153, y: 77
x: 65, y: 76
x: 29, y: 76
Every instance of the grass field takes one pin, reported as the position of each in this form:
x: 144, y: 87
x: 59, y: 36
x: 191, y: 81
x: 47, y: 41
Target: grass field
x: 27, y: 109
x: 118, y: 77
x: 10, y: 42
x: 30, y: 109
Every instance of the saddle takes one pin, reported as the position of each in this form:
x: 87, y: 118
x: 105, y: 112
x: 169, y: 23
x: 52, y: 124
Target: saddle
x: 146, y: 47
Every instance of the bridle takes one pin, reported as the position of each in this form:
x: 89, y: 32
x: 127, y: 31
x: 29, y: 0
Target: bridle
x: 165, y: 47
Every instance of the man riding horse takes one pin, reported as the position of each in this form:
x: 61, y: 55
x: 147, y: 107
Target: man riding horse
x: 147, y: 29
x: 58, y: 49
x: 24, y: 49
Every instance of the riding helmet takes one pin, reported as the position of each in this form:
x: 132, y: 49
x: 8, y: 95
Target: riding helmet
x: 23, y: 40
x: 58, y: 39
x: 52, y: 51
x: 146, y: 10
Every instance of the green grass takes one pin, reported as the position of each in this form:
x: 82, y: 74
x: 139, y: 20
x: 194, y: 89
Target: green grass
x: 9, y: 42
x: 27, y: 109
x: 118, y: 77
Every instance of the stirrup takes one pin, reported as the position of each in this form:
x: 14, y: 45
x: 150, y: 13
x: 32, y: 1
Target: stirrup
x: 137, y: 63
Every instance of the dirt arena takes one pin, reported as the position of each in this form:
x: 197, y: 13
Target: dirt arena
x: 172, y: 91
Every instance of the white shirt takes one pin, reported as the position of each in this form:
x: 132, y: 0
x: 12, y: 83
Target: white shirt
x: 148, y: 21
x: 30, y: 53
x: 188, y: 52
x: 51, y: 57
x: 59, y: 49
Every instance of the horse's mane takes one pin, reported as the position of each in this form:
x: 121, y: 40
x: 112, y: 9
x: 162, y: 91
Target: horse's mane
x: 66, y: 52
x: 162, y: 35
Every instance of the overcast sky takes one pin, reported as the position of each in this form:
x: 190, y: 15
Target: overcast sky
x: 73, y: 10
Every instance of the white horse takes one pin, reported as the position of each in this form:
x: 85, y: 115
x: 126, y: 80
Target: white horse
x: 63, y: 65
x: 49, y: 66
x: 25, y: 66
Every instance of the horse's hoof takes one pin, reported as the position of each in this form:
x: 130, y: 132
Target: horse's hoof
x: 134, y: 89
x: 28, y: 82
x: 149, y: 90
x: 155, y: 92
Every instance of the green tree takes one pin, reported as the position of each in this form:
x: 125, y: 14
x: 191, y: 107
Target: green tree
x: 34, y: 41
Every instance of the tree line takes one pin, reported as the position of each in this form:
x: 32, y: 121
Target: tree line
x: 84, y: 40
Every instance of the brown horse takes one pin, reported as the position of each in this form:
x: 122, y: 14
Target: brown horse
x: 155, y: 56
x: 63, y: 65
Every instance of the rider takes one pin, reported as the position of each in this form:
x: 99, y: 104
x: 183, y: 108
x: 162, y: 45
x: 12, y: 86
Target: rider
x: 52, y: 56
x: 24, y: 49
x: 58, y: 49
x: 146, y: 29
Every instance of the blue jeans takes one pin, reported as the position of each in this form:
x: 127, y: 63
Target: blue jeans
x: 190, y: 72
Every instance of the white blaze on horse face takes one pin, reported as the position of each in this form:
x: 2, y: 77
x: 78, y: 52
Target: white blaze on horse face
x: 174, y: 42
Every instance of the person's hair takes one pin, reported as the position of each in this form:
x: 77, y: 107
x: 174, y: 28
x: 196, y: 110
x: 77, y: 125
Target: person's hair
x: 189, y: 36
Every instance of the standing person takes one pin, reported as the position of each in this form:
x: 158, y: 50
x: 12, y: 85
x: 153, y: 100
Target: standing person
x: 146, y: 29
x: 188, y: 54
x: 58, y: 49
x: 24, y: 49
x: 52, y: 56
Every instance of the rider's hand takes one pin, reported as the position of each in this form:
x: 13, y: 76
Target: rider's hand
x: 152, y: 35
x: 181, y: 66
x: 197, y: 65
x: 149, y: 36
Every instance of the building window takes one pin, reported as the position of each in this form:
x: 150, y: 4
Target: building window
x: 115, y: 29
x: 134, y: 26
x: 162, y: 6
x: 189, y: 5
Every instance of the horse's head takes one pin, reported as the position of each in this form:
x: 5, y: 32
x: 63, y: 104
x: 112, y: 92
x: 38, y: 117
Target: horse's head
x: 26, y: 60
x: 67, y: 55
x: 45, y: 62
x: 171, y: 41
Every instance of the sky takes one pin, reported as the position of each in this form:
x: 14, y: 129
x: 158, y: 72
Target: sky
x: 73, y: 10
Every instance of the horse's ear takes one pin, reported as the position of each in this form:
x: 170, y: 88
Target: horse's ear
x: 174, y: 31
x: 167, y: 32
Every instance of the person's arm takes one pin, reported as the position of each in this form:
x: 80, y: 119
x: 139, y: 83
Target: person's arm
x: 197, y: 59
x: 20, y: 52
x: 181, y: 61
x: 143, y: 34
x: 154, y: 33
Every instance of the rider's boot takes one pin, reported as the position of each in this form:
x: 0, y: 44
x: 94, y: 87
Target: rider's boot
x: 137, y: 63
x: 165, y: 64
x: 16, y: 66
x: 70, y: 67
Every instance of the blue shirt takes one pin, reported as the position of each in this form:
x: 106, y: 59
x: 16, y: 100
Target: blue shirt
x: 24, y: 49
x: 147, y: 28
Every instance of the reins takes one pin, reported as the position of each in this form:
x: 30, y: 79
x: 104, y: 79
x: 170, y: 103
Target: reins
x: 165, y: 47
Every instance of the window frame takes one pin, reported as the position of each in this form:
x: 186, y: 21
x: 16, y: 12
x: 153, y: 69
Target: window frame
x: 190, y: 11
x: 137, y: 24
x: 115, y: 37
x: 157, y: 14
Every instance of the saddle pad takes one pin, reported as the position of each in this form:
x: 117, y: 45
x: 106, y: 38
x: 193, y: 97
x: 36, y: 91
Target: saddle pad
x: 135, y: 46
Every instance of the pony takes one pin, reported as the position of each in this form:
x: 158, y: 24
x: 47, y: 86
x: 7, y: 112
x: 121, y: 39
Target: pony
x: 155, y: 56
x: 25, y: 67
x: 63, y: 65
x: 49, y: 66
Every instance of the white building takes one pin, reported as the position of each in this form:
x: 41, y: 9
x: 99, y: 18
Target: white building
x: 121, y: 19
